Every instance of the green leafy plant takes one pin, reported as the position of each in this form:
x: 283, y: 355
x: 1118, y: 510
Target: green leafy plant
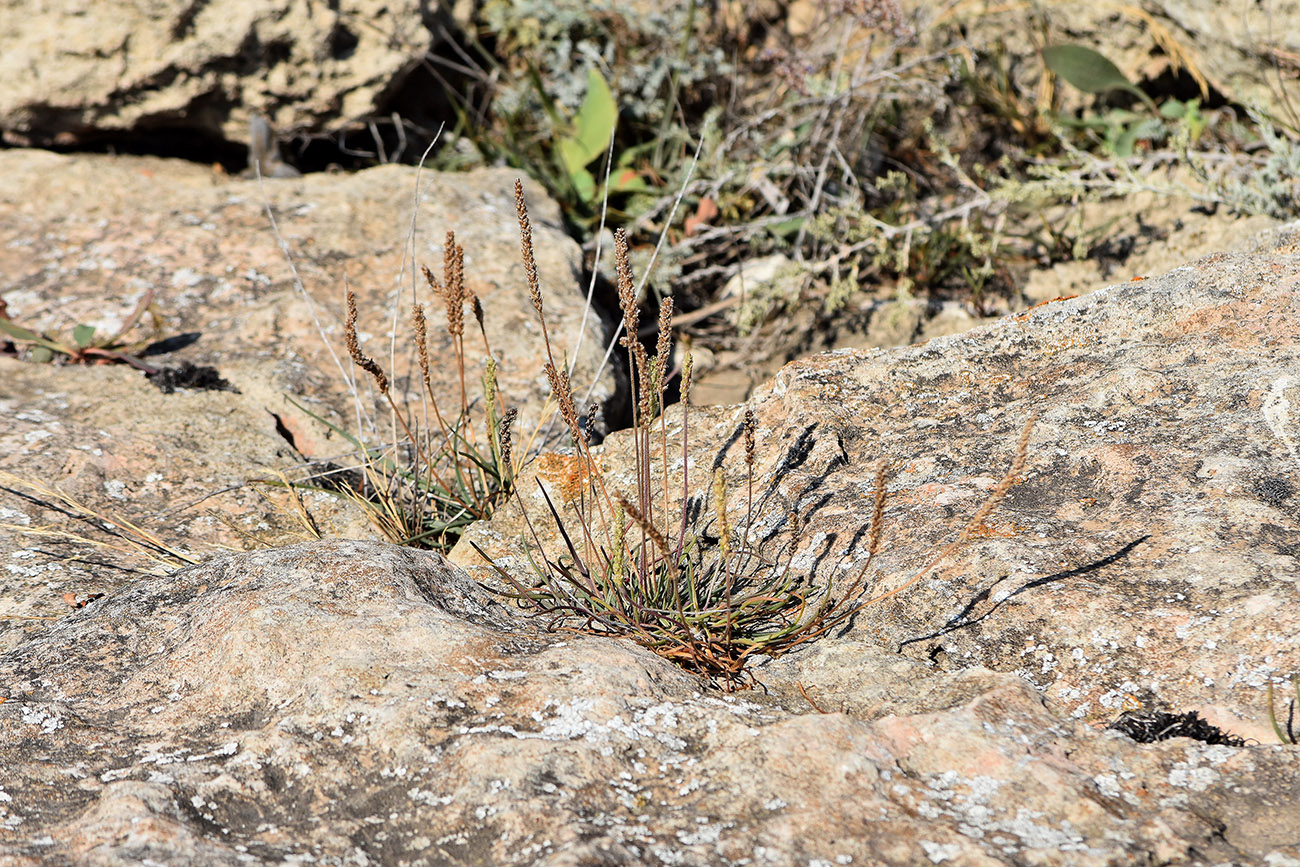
x: 1121, y: 129
x: 666, y: 566
x: 87, y: 345
x: 586, y: 140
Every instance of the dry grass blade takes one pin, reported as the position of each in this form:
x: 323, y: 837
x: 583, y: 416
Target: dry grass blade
x: 137, y: 540
x: 995, y: 498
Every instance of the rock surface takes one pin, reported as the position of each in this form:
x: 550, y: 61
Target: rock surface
x: 352, y: 702
x: 1148, y: 551
x: 82, y: 239
x: 347, y: 702
x: 72, y: 71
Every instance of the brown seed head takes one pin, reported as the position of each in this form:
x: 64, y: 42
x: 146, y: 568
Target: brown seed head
x: 421, y: 340
x: 563, y: 393
x: 664, y: 344
x: 453, y: 278
x: 526, y: 248
x: 652, y: 531
x: 363, y: 361
x: 431, y: 280
x: 626, y: 287
x: 720, y: 506
x: 687, y: 366
x: 504, y: 435
x: 750, y: 426
x: 477, y: 307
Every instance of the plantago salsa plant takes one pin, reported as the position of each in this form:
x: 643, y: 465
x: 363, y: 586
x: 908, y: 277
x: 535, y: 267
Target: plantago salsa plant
x: 664, y: 565
x: 439, y: 472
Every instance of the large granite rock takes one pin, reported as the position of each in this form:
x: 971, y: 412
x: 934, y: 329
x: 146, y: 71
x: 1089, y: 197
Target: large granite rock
x: 1147, y: 555
x: 72, y: 71
x: 81, y: 239
x: 354, y: 703
x: 351, y: 702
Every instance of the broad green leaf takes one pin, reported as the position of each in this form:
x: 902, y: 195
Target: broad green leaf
x: 83, y: 335
x: 570, y: 151
x: 1086, y: 69
x: 1090, y: 71
x: 592, y: 127
x: 585, y: 184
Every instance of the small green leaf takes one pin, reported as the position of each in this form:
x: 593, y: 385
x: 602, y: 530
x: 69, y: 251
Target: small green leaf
x: 786, y: 228
x: 1123, y: 144
x: 1086, y: 69
x: 41, y: 354
x: 83, y: 335
x: 1173, y: 109
x: 1090, y: 71
x: 627, y: 181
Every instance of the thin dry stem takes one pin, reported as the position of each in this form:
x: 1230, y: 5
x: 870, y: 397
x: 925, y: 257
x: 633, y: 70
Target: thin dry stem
x: 750, y: 427
x: 140, y: 540
x: 653, y: 532
x: 999, y: 492
x: 662, y: 349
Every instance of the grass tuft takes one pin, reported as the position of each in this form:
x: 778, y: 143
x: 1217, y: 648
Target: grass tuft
x: 440, y: 470
x: 681, y: 580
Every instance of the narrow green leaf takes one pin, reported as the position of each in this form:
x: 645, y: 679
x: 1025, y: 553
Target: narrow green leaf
x: 338, y: 430
x: 83, y: 335
x: 18, y: 332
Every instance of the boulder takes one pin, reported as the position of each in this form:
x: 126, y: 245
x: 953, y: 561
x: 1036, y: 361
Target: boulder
x: 1144, y: 558
x: 71, y: 72
x: 82, y: 239
x: 350, y: 702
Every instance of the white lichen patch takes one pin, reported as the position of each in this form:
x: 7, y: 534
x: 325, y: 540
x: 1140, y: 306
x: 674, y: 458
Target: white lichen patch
x: 39, y: 716
x: 13, y: 516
